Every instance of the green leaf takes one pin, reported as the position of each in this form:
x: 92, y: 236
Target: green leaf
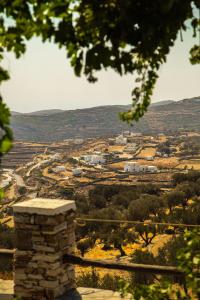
x: 5, y: 145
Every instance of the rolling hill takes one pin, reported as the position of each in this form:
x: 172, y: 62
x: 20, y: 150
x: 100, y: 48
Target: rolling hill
x: 58, y: 125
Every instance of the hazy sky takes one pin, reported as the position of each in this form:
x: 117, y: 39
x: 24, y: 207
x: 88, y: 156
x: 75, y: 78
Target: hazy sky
x: 43, y: 79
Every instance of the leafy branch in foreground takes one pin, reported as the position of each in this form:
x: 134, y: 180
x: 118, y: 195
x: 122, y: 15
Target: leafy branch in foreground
x: 189, y: 262
x: 127, y: 36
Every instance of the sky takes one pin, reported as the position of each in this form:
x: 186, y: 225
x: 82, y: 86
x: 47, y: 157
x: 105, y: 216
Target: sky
x: 43, y: 79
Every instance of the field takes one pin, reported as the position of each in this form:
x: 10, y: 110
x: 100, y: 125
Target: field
x: 161, y: 162
x: 116, y: 148
x: 118, y: 165
x: 148, y: 151
x: 189, y: 164
x: 98, y: 254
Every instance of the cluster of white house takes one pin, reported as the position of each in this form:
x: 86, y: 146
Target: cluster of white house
x: 94, y: 159
x: 121, y: 140
x: 90, y: 159
x: 133, y: 166
x: 125, y: 137
x: 75, y: 171
x: 161, y: 154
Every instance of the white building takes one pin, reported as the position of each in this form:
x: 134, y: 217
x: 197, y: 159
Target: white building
x: 94, y: 159
x: 78, y: 141
x: 136, y: 167
x: 158, y: 153
x: 59, y: 169
x: 77, y: 171
x: 126, y: 133
x: 136, y: 134
x: 152, y: 169
x: 97, y: 159
x: 149, y: 158
x: 121, y: 140
x: 86, y: 158
x: 143, y: 168
x: 132, y: 166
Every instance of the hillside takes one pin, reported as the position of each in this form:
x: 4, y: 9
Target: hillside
x: 104, y: 121
x: 46, y: 112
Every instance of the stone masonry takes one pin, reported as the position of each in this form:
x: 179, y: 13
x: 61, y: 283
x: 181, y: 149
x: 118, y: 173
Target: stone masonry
x: 44, y: 232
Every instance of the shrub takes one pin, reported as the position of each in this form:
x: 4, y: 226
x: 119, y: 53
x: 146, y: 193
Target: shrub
x: 142, y: 257
x: 94, y: 280
x: 189, y: 262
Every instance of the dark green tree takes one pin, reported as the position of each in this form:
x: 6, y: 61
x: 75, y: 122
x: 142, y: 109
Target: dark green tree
x: 174, y: 198
x: 111, y: 234
x: 188, y: 260
x: 142, y: 257
x: 85, y: 245
x: 189, y: 190
x: 147, y: 233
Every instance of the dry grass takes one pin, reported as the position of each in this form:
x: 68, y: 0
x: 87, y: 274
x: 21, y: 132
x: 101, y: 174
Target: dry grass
x: 191, y: 164
x: 118, y: 165
x: 160, y: 162
x: 8, y: 221
x: 56, y: 176
x: 83, y: 179
x: 6, y: 276
x: 166, y: 163
x: 125, y: 155
x: 162, y: 139
x: 149, y: 151
x: 152, y: 177
x: 97, y: 253
x: 116, y: 148
x: 193, y: 134
x: 158, y: 242
x: 11, y: 192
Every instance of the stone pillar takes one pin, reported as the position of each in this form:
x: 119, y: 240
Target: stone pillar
x: 44, y: 232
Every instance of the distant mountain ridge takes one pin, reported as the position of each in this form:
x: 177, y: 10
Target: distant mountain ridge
x: 46, y: 112
x: 102, y: 121
x: 164, y: 102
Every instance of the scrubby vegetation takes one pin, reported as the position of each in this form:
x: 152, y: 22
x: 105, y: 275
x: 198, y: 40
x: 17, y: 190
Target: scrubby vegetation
x: 7, y: 240
x: 140, y: 203
x: 182, y: 251
x: 148, y: 205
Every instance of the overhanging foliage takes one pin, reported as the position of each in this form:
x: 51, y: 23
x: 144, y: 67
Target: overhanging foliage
x: 124, y: 35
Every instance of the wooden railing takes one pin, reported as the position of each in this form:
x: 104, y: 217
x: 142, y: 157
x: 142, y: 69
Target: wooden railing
x: 178, y: 275
x: 108, y: 264
x: 7, y: 253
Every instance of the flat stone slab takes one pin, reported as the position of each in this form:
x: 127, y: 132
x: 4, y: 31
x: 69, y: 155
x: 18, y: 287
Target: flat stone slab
x: 98, y: 294
x: 42, y: 206
x: 6, y: 293
x: 6, y: 289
